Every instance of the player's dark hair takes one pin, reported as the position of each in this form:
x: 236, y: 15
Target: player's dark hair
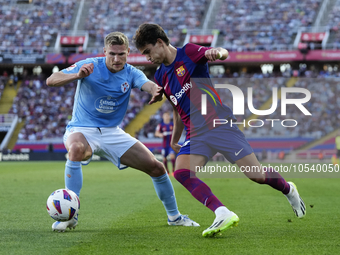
x: 148, y: 34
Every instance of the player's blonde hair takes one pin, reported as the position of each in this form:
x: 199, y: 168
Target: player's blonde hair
x: 116, y: 38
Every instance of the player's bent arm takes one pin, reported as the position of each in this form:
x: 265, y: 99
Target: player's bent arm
x: 177, y: 129
x: 60, y: 79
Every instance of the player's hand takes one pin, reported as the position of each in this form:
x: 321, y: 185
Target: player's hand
x: 157, y: 95
x: 176, y: 147
x: 213, y: 54
x: 85, y: 70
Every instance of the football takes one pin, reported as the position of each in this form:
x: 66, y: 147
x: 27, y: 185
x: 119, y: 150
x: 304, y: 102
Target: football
x: 63, y: 205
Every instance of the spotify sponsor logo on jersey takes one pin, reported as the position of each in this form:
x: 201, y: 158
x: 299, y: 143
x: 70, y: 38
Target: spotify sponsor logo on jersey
x: 180, y: 93
x: 106, y: 104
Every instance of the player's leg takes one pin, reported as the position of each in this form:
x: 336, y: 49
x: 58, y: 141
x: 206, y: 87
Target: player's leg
x: 185, y: 173
x: 165, y: 160
x: 231, y: 142
x: 140, y: 157
x: 173, y: 160
x: 78, y: 150
x: 253, y: 170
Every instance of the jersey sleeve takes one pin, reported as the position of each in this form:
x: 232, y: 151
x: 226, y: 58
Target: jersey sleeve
x: 75, y: 67
x: 158, y: 128
x: 196, y: 53
x: 158, y: 76
x: 138, y: 78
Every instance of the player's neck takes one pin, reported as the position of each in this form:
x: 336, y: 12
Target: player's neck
x: 171, y: 53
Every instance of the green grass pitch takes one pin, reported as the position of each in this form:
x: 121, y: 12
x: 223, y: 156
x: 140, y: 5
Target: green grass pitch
x: 121, y: 214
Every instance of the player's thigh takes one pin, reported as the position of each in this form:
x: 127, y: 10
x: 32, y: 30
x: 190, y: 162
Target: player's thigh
x: 141, y: 158
x: 190, y: 161
x: 251, y: 167
x: 79, y: 139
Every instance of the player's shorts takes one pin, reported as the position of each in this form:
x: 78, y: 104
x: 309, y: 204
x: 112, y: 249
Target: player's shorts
x: 229, y: 141
x: 110, y: 143
x: 166, y: 151
x: 338, y: 153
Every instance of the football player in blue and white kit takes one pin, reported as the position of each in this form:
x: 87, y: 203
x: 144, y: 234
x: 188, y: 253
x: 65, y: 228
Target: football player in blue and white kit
x: 100, y: 103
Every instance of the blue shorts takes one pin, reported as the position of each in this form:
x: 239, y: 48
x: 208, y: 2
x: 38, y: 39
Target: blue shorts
x: 166, y: 151
x: 229, y: 141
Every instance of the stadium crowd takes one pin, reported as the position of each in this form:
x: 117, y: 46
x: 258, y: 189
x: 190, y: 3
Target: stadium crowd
x: 246, y: 25
x: 263, y: 25
x: 174, y: 16
x: 334, y: 24
x: 30, y: 28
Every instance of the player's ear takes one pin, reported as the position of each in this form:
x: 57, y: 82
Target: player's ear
x: 160, y: 41
x: 104, y: 50
x: 128, y: 52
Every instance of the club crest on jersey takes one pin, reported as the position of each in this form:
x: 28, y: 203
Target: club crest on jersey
x: 71, y: 67
x: 125, y: 87
x: 180, y: 71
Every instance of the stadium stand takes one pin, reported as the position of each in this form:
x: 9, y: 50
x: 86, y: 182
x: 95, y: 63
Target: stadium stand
x: 249, y: 25
x: 31, y: 28
x: 174, y: 16
x: 334, y: 24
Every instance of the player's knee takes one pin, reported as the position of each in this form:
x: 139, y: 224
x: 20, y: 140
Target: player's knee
x: 183, y: 174
x: 157, y: 169
x: 76, y: 151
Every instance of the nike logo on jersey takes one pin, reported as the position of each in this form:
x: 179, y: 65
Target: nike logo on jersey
x: 199, y: 48
x: 236, y: 153
x: 166, y: 85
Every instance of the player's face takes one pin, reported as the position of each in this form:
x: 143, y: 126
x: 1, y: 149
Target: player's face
x: 166, y: 117
x: 153, y: 53
x: 116, y: 56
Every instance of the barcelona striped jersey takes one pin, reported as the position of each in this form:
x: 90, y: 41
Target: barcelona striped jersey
x: 184, y: 82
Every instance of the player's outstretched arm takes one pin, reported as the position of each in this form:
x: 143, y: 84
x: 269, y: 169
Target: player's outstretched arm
x: 153, y: 89
x: 60, y: 79
x: 177, y: 131
x: 216, y: 53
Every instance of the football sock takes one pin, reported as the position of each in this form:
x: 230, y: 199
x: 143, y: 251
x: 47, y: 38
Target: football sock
x: 73, y: 176
x: 275, y: 180
x: 197, y: 188
x: 166, y: 194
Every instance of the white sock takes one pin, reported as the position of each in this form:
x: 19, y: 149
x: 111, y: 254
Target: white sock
x: 222, y: 210
x: 174, y: 217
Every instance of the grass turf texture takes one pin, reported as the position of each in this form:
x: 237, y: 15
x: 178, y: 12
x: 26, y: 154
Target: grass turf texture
x: 121, y: 214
